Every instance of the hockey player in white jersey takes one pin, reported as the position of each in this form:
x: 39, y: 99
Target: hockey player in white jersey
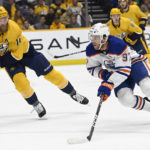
x: 110, y: 59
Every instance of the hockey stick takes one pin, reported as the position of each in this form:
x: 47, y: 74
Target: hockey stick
x: 89, y: 137
x: 77, y: 42
x: 74, y: 41
x: 55, y: 56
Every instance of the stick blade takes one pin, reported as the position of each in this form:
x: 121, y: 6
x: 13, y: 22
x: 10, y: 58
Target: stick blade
x: 77, y: 140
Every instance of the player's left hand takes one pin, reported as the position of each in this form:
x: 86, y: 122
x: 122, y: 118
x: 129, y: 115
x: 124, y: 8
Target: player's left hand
x: 106, y: 88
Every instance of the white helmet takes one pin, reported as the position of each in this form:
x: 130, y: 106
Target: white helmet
x: 99, y: 30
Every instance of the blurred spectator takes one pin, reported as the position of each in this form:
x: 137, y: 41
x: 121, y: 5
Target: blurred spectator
x: 41, y: 24
x: 48, y: 2
x: 59, y: 7
x: 23, y: 6
x: 31, y: 3
x: 145, y: 7
x: 67, y: 2
x: 32, y: 17
x: 50, y: 16
x: 66, y: 17
x: 114, y: 3
x: 74, y: 23
x: 41, y: 8
x: 149, y: 19
x: 27, y: 26
x: 56, y: 24
x: 132, y: 2
x: 18, y: 18
x: 11, y: 8
x: 75, y: 6
x: 81, y: 18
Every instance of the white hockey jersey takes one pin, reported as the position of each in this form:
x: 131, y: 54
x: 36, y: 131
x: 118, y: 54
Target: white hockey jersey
x: 118, y: 59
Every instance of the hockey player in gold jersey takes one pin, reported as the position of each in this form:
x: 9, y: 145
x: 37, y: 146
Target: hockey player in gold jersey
x: 16, y: 53
x: 127, y: 30
x: 133, y: 12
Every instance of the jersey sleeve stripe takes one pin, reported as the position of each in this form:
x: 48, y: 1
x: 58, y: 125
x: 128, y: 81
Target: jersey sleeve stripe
x: 124, y: 70
x: 122, y: 67
x: 138, y: 59
x: 122, y: 73
x: 147, y: 66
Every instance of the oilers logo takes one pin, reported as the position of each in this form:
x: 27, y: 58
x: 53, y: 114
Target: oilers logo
x: 3, y: 48
x: 109, y: 64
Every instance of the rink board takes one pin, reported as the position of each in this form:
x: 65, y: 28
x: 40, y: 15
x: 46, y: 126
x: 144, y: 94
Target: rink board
x: 61, y: 42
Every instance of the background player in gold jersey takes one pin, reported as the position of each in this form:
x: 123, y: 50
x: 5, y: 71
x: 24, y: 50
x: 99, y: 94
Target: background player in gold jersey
x: 133, y: 12
x: 16, y: 53
x: 127, y: 30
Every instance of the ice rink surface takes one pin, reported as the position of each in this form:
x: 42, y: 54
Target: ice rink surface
x: 117, y: 128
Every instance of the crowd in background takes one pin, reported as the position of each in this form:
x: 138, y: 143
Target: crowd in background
x: 47, y: 14
x: 59, y: 14
x: 143, y: 4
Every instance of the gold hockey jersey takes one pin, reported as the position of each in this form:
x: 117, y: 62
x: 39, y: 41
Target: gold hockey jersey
x: 126, y: 27
x: 13, y: 40
x: 135, y: 14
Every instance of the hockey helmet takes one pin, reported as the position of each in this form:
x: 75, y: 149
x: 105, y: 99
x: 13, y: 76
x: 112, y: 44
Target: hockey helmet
x: 3, y: 12
x: 100, y: 31
x: 115, y: 11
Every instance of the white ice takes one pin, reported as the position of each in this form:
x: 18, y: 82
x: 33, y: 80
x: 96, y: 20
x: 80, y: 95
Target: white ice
x: 117, y: 128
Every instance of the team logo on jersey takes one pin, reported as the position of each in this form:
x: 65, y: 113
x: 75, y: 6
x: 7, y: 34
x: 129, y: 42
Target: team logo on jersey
x: 109, y: 64
x: 12, y: 69
x: 3, y: 47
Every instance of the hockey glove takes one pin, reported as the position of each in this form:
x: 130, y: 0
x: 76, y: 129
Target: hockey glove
x: 104, y: 74
x: 142, y: 26
x: 129, y: 41
x: 143, y: 23
x: 8, y: 60
x: 106, y: 88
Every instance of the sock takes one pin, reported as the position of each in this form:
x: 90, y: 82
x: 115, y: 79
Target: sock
x: 142, y: 104
x: 32, y: 99
x: 68, y: 89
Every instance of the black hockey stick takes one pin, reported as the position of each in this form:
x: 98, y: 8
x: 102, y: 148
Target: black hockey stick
x: 74, y: 41
x: 77, y: 42
x: 60, y: 56
x: 89, y: 137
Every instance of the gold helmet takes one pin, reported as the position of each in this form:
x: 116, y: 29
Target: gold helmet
x: 122, y: 0
x: 115, y: 11
x: 3, y: 12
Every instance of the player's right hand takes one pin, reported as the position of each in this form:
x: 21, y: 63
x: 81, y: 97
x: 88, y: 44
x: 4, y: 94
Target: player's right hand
x: 106, y: 88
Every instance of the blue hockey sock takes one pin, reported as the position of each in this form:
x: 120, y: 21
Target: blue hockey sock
x: 32, y: 100
x: 68, y: 89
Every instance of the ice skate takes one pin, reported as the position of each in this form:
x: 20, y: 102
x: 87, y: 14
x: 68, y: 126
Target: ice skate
x: 39, y: 108
x: 79, y: 98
